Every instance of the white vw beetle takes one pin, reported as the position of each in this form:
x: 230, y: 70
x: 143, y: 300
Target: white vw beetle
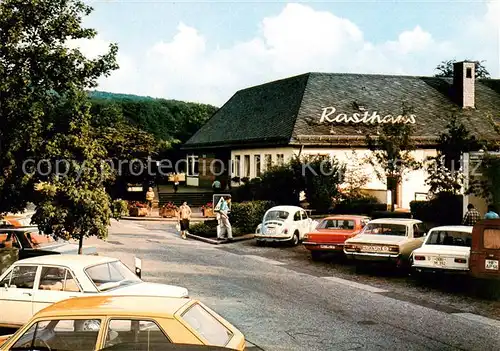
x: 446, y: 249
x: 32, y: 284
x: 284, y: 223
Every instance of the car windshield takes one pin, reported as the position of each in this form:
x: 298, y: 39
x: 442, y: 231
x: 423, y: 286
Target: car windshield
x: 385, y: 229
x: 336, y: 224
x: 449, y: 237
x: 110, y: 275
x: 276, y: 216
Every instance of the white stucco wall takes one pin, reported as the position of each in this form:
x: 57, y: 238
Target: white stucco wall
x: 413, y: 182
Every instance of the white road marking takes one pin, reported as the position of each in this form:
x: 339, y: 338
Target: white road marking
x: 356, y: 285
x: 265, y: 260
x: 478, y: 318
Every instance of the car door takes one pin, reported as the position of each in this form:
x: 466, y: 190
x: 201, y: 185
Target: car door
x: 305, y: 224
x: 485, y: 251
x: 55, y: 284
x: 16, y: 297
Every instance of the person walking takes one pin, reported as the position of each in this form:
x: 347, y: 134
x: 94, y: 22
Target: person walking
x: 491, y: 214
x: 224, y: 220
x: 184, y: 215
x: 176, y: 182
x: 472, y: 216
x: 150, y: 196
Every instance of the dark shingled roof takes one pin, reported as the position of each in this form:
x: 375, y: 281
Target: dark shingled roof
x: 288, y: 111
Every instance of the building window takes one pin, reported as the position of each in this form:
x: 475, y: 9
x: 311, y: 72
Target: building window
x: 269, y: 161
x: 192, y: 166
x: 468, y: 72
x: 257, y: 166
x: 237, y: 162
x: 247, y: 166
x: 280, y: 158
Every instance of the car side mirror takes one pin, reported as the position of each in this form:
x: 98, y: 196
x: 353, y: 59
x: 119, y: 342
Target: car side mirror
x: 138, y: 266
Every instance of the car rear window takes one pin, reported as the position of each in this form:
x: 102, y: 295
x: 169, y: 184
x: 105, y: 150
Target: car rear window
x: 336, y: 224
x: 491, y: 239
x: 207, y: 325
x: 385, y: 229
x: 449, y: 237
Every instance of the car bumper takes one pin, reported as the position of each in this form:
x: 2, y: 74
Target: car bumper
x: 277, y: 237
x: 437, y: 270
x: 377, y: 257
x: 314, y: 246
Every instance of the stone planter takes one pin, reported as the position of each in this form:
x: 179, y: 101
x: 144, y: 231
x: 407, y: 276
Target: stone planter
x: 166, y: 212
x: 208, y: 212
x: 138, y: 212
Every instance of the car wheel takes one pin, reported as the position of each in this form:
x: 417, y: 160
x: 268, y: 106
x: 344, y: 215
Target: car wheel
x: 295, y: 239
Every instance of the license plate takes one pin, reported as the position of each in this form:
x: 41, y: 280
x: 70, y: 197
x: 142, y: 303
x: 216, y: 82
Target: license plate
x: 271, y: 231
x: 491, y: 264
x: 372, y: 248
x: 327, y: 246
x: 439, y: 261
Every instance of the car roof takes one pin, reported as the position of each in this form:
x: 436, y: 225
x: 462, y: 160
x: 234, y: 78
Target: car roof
x: 341, y: 216
x: 19, y: 229
x: 75, y: 261
x: 396, y: 220
x: 102, y: 305
x: 286, y: 208
x: 456, y: 228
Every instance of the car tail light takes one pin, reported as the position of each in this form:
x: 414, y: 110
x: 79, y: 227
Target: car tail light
x: 419, y: 258
x: 394, y: 248
x: 285, y: 231
x: 460, y: 260
x: 351, y: 247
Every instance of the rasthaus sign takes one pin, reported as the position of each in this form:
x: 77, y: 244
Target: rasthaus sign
x: 329, y: 115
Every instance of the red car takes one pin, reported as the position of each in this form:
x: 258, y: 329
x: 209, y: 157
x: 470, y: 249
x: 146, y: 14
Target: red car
x: 331, y: 232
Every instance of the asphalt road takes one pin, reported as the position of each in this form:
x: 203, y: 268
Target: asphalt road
x: 281, y: 300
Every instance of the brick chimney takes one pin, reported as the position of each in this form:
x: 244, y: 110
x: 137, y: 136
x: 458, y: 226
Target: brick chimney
x: 464, y: 78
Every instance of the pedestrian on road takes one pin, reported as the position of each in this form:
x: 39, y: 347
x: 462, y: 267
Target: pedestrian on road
x: 224, y: 220
x: 184, y: 215
x: 491, y: 214
x: 176, y: 182
x: 150, y: 196
x: 472, y: 216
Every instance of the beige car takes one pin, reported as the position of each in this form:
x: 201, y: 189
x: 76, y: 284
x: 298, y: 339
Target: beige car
x: 386, y: 240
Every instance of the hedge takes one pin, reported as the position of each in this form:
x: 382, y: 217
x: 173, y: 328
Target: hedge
x: 390, y: 214
x: 445, y: 209
x: 363, y: 206
x: 246, y: 216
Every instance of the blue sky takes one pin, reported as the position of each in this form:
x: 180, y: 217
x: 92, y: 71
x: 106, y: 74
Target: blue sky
x: 204, y: 51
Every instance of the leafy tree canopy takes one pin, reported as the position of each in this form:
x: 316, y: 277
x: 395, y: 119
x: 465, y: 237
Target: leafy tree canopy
x: 445, y: 69
x: 46, y: 117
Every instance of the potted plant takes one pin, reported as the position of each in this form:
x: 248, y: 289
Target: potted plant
x: 138, y: 209
x: 168, y: 210
x: 208, y: 210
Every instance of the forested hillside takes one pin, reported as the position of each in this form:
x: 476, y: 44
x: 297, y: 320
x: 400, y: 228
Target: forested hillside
x: 170, y: 120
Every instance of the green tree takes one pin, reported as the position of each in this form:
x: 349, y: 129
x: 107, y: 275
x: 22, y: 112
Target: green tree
x: 46, y: 116
x: 391, y: 156
x: 445, y: 69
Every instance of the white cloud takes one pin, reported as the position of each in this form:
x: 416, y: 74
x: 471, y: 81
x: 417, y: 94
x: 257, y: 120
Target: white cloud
x: 297, y: 40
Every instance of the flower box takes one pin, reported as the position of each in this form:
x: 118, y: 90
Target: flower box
x: 208, y: 212
x: 165, y: 212
x: 138, y: 211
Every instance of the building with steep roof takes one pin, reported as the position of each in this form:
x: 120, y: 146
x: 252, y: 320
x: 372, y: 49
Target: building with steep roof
x: 331, y: 114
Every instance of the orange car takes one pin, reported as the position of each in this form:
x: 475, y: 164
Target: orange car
x: 331, y: 232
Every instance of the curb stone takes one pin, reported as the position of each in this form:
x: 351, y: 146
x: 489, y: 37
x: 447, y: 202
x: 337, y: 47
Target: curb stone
x: 218, y: 242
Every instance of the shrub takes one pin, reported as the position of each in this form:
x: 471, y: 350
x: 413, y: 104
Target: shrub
x: 119, y: 208
x: 364, y: 205
x: 390, y: 214
x: 444, y: 209
x: 246, y: 216
x: 208, y: 229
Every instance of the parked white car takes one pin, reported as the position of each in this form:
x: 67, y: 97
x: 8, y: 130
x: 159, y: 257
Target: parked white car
x: 446, y: 249
x: 284, y: 223
x: 32, y: 284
